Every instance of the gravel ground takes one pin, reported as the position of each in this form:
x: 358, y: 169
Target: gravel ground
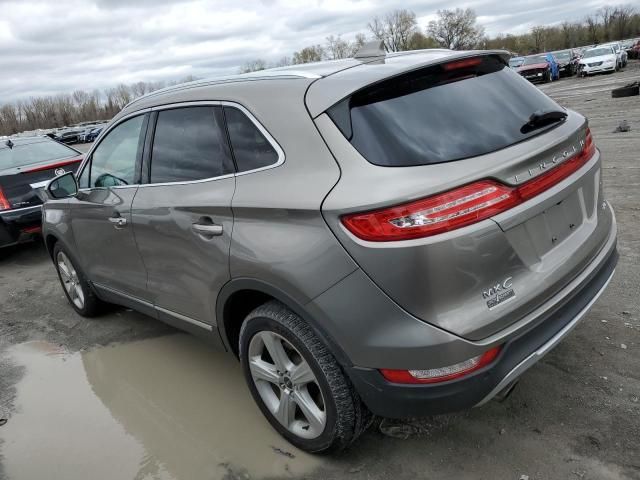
x: 75, y: 392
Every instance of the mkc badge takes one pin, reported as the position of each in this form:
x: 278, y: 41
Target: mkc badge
x: 499, y: 293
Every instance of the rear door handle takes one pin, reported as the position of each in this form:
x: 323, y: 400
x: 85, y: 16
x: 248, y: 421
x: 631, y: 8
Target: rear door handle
x: 118, y: 222
x: 207, y: 229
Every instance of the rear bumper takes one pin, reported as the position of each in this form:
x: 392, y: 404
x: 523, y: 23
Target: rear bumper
x: 518, y: 354
x: 17, y: 226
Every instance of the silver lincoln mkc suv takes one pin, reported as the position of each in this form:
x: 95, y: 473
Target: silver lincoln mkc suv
x: 388, y: 235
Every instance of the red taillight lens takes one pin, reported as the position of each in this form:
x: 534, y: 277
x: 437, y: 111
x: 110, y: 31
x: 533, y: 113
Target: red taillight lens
x: 468, y: 62
x: 443, y: 374
x: 556, y: 175
x: 4, y: 203
x: 429, y: 216
x: 457, y: 208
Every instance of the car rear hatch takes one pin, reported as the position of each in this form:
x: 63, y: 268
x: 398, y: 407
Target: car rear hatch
x: 466, y: 194
x: 26, y: 167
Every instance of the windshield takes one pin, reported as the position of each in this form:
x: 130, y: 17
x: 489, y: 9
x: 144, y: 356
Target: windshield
x: 516, y: 62
x: 534, y: 60
x: 33, y: 150
x: 435, y: 115
x: 598, y: 52
x: 563, y: 55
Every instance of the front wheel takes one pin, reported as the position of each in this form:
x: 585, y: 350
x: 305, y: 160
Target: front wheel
x: 297, y: 383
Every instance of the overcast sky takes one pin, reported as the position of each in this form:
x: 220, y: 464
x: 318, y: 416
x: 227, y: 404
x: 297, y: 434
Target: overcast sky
x: 57, y: 46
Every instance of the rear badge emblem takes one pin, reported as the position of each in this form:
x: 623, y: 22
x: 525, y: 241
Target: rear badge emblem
x: 499, y: 293
x: 59, y: 171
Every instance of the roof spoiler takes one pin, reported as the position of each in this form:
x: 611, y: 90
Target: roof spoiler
x: 371, y: 51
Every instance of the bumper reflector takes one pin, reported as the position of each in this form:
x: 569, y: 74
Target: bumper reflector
x: 442, y: 374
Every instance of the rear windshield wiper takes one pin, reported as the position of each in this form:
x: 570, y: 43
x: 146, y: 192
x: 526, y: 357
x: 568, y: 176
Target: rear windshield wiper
x: 543, y: 118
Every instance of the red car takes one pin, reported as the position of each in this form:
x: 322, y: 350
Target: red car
x: 535, y: 68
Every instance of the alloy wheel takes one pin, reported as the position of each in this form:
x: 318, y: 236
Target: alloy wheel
x: 287, y: 385
x: 70, y: 280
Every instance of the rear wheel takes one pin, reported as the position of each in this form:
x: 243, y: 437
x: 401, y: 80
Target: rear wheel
x: 75, y: 285
x: 297, y: 383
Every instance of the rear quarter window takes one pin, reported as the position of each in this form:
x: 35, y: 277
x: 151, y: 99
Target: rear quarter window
x: 435, y: 115
x: 251, y: 149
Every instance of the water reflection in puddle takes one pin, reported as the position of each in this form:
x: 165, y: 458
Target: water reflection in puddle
x: 165, y: 408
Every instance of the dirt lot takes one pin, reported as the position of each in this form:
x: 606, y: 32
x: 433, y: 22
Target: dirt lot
x: 123, y: 397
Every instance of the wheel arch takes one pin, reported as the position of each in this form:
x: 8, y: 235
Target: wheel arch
x: 242, y: 295
x: 50, y: 241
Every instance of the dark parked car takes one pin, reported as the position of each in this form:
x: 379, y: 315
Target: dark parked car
x: 93, y: 134
x: 567, y: 62
x: 26, y: 165
x: 69, y: 137
x: 536, y: 68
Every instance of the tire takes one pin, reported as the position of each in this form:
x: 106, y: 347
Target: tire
x: 630, y: 90
x: 75, y: 285
x: 340, y: 416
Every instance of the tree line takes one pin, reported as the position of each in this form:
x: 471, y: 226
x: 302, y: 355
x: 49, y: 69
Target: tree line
x: 398, y: 30
x: 67, y: 109
x: 458, y: 29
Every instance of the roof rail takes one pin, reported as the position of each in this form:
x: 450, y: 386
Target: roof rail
x: 371, y: 51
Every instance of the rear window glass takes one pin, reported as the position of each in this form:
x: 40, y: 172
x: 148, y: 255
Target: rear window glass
x: 36, y: 150
x: 434, y: 115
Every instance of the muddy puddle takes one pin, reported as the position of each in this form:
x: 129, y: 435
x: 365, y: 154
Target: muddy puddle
x: 166, y: 408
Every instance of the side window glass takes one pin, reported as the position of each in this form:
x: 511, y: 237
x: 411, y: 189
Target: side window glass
x: 189, y: 144
x: 113, y: 162
x: 250, y: 147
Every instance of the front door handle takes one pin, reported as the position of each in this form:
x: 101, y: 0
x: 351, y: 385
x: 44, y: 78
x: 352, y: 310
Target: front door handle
x: 118, y: 222
x: 207, y: 229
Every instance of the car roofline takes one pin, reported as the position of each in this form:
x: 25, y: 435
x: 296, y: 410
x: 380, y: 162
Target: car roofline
x: 293, y: 72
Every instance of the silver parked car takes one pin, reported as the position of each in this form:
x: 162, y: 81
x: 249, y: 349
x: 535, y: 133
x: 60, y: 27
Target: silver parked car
x: 396, y: 235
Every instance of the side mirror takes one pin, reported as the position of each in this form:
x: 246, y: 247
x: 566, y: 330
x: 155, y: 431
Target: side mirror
x: 64, y: 186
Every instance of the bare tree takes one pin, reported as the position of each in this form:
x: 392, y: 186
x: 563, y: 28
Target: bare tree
x: 283, y: 62
x: 253, y: 66
x: 139, y: 89
x: 456, y: 29
x: 539, y: 38
x: 359, y: 41
x: 337, y: 48
x: 621, y: 21
x: 591, y: 23
x: 314, y: 53
x: 420, y: 41
x: 395, y: 29
x: 606, y: 14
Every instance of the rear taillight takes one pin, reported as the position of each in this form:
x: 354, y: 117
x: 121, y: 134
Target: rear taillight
x: 458, y: 208
x: 4, y: 203
x: 556, y: 175
x: 442, y: 374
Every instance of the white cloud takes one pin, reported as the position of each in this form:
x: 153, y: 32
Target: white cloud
x: 58, y: 46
